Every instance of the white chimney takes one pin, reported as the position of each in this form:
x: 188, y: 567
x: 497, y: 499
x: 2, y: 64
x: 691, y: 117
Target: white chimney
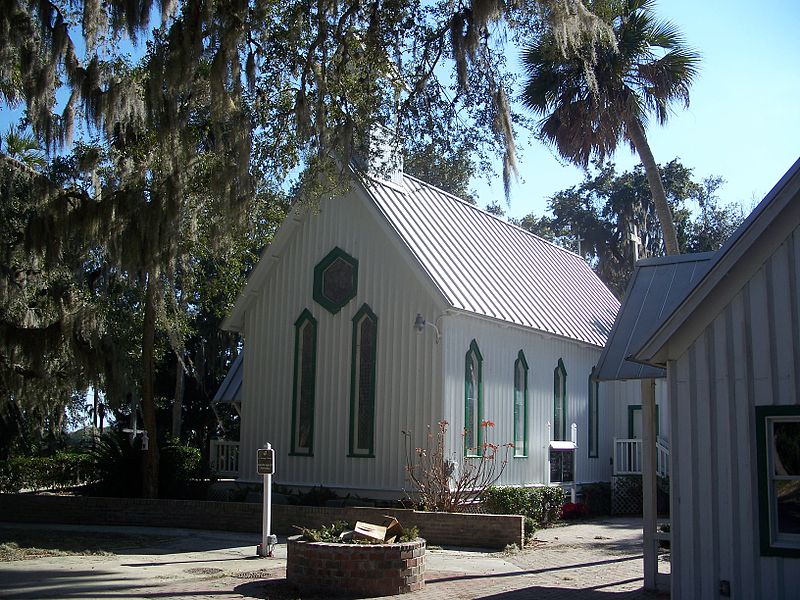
x: 384, y: 158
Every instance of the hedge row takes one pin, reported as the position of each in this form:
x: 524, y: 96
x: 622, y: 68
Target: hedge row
x: 63, y: 469
x: 112, y: 468
x: 540, y: 505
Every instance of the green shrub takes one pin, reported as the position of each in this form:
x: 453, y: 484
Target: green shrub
x: 530, y: 526
x: 333, y: 533
x: 505, y: 500
x: 409, y: 535
x: 541, y: 504
x: 178, y: 466
x: 546, y: 503
x: 597, y: 498
x: 316, y: 496
x: 112, y: 468
x: 326, y: 533
x: 118, y: 467
x: 63, y: 469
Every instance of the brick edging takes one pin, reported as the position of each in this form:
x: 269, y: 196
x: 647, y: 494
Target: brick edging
x: 360, y: 569
x: 443, y: 529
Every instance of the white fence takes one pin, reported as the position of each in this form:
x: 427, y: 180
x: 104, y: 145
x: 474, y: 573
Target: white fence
x: 628, y: 457
x: 225, y: 458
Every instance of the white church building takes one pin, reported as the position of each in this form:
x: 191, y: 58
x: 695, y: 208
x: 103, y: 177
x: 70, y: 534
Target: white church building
x: 392, y: 307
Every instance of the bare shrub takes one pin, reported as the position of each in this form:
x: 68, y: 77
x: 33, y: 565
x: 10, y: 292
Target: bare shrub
x: 438, y: 483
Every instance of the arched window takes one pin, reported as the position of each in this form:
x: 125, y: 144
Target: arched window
x: 594, y: 386
x: 305, y: 367
x: 520, y: 405
x: 362, y: 383
x: 472, y: 400
x: 560, y: 402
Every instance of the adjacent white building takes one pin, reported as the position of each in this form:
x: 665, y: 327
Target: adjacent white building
x: 731, y: 350
x: 396, y: 306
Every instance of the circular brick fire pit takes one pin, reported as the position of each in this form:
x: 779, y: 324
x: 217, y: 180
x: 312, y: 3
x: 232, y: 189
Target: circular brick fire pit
x: 356, y: 569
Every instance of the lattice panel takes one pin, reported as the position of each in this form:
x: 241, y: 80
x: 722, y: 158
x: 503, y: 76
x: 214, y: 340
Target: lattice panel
x: 626, y: 495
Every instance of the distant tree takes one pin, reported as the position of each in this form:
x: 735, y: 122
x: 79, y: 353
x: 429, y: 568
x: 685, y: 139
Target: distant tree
x: 495, y: 209
x: 587, y: 110
x: 448, y: 168
x: 715, y: 223
x: 608, y: 209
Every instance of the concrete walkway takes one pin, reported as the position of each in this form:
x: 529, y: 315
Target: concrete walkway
x: 591, y: 561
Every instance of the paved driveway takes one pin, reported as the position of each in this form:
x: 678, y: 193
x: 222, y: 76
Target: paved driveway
x: 592, y: 561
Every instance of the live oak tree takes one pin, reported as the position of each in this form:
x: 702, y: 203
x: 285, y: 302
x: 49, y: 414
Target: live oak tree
x: 187, y: 116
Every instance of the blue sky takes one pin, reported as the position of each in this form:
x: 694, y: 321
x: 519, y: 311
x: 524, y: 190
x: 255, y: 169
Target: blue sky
x: 743, y: 123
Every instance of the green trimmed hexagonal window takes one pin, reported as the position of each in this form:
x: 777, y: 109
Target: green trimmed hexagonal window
x: 335, y: 280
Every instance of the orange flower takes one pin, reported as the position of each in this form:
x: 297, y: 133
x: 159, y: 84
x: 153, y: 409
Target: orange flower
x: 487, y: 423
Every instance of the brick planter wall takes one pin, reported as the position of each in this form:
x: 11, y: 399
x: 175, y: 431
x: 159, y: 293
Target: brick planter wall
x: 356, y: 569
x: 443, y: 529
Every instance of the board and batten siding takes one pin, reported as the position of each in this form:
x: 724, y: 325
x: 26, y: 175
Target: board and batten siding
x: 499, y: 345
x: 408, y: 363
x: 748, y: 356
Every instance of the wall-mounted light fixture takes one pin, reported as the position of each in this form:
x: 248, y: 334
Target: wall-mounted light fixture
x: 419, y: 325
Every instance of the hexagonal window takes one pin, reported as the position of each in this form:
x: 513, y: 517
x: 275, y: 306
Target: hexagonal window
x: 335, y: 280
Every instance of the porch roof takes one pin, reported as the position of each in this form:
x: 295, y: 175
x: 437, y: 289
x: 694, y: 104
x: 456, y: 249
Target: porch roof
x: 230, y: 390
x: 657, y: 286
x: 742, y: 255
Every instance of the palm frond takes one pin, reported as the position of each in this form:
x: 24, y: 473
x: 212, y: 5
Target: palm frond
x: 665, y: 34
x: 23, y: 147
x: 650, y: 69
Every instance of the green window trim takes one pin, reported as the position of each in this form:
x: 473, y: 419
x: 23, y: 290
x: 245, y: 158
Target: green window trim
x: 593, y: 414
x: 363, y: 383
x: 473, y: 365
x: 520, y: 393
x: 303, y: 391
x: 337, y: 255
x: 765, y: 418
x: 560, y: 401
x: 632, y: 408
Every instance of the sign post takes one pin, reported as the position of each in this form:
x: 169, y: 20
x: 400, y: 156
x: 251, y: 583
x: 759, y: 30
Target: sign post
x: 265, y: 461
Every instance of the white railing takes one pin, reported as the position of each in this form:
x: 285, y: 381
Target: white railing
x: 662, y: 458
x: 628, y: 457
x: 225, y: 458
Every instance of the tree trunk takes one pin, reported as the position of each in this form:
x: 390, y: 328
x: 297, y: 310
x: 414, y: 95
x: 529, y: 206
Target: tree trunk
x: 177, y: 404
x: 150, y: 463
x: 639, y: 140
x: 95, y: 415
x: 95, y: 405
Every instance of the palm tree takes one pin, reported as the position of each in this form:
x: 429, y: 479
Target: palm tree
x: 24, y: 148
x: 587, y: 110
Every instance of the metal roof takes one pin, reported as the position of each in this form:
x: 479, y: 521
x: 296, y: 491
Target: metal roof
x: 230, y: 390
x: 484, y: 265
x: 656, y: 287
x: 740, y: 256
